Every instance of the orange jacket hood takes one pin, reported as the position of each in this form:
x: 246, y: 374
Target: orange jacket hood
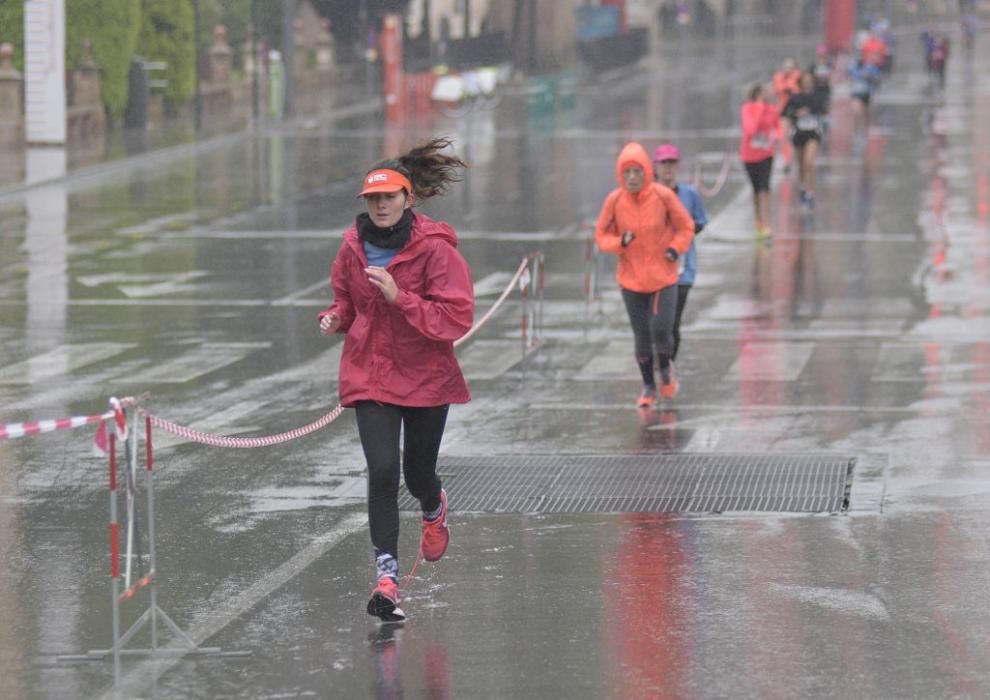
x: 634, y: 153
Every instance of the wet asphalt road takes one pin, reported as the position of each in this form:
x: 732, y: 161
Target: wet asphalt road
x: 862, y: 330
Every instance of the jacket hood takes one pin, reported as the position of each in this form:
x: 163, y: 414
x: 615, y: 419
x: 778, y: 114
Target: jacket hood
x: 425, y: 227
x: 634, y: 153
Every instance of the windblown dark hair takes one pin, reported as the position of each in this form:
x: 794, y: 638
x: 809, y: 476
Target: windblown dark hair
x: 429, y: 171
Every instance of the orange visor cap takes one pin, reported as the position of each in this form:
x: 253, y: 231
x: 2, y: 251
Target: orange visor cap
x: 385, y: 181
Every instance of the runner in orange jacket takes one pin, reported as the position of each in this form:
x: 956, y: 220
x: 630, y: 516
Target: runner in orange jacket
x: 647, y: 227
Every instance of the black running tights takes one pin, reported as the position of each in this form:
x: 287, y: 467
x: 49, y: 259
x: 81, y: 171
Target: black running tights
x: 379, y: 426
x: 652, y: 318
x: 682, y: 295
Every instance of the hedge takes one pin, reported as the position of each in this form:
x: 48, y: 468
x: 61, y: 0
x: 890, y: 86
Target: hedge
x: 167, y: 35
x: 113, y: 27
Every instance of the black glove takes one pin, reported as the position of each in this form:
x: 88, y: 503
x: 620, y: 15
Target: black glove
x: 670, y: 254
x: 627, y: 238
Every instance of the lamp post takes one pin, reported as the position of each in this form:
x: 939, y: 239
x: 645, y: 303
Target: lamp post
x: 254, y: 62
x: 288, y: 52
x: 198, y: 97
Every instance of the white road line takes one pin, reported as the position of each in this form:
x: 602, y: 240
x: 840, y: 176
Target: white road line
x: 761, y: 408
x: 284, y: 301
x: 60, y: 361
x: 336, y: 234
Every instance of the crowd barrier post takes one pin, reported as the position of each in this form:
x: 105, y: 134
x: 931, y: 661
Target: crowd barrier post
x: 539, y: 275
x: 153, y: 613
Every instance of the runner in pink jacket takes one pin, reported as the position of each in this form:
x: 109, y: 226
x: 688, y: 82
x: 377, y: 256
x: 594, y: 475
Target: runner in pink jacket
x: 402, y: 295
x: 760, y: 123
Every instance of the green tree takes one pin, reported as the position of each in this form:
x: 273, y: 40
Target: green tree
x: 12, y: 29
x: 167, y: 35
x: 113, y: 27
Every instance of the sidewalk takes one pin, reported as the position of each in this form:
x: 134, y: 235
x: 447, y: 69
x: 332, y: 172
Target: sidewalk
x: 173, y: 140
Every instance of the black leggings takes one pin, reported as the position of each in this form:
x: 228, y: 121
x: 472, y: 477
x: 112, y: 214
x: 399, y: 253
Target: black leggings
x: 759, y: 174
x: 379, y: 426
x: 682, y: 295
x: 652, y: 318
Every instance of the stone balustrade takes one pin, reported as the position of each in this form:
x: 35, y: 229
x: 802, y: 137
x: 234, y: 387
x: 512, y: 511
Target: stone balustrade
x: 11, y: 99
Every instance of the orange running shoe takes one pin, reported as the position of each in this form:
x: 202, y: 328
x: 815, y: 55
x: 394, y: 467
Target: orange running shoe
x: 647, y: 397
x: 668, y: 383
x: 384, y: 603
x: 436, y: 536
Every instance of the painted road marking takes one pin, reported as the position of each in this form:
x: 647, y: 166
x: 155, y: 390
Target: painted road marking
x: 771, y: 361
x: 489, y: 359
x: 338, y: 233
x: 197, y: 362
x: 614, y: 362
x: 60, y: 361
x: 150, y: 278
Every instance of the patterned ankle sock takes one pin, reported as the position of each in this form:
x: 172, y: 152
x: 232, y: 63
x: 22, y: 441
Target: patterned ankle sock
x: 386, y: 565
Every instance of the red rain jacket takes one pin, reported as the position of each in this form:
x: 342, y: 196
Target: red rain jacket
x: 657, y: 217
x: 403, y: 353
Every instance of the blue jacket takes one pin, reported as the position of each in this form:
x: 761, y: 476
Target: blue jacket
x: 692, y: 202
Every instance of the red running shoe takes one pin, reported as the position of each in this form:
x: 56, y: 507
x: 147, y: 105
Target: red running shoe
x: 668, y: 383
x: 436, y: 536
x: 384, y: 603
x: 647, y: 397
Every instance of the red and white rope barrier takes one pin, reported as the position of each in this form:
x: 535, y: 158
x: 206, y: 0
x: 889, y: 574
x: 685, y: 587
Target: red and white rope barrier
x: 14, y: 430
x: 491, y: 312
x: 720, y: 181
x: 267, y: 440
x: 242, y: 442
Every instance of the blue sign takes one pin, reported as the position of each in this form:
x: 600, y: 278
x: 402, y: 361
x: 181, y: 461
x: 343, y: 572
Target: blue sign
x: 595, y: 22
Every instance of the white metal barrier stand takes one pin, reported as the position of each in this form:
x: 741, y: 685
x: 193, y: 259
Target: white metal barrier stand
x: 153, y: 612
x: 532, y: 301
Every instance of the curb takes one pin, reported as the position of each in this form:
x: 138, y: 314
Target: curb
x: 167, y: 154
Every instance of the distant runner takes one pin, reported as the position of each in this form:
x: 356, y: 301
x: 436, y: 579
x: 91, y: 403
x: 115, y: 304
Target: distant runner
x: 666, y: 160
x: 647, y: 227
x: 760, y: 123
x: 805, y: 112
x: 865, y: 79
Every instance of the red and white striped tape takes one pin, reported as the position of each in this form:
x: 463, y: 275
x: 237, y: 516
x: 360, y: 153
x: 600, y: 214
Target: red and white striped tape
x: 8, y: 431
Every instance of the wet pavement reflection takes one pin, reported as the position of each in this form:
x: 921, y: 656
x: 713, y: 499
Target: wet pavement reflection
x: 860, y: 330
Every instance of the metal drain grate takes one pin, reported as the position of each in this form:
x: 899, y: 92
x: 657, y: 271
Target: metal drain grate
x: 667, y: 483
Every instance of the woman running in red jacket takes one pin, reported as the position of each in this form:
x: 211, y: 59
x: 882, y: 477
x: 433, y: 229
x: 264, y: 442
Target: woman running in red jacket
x: 402, y: 296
